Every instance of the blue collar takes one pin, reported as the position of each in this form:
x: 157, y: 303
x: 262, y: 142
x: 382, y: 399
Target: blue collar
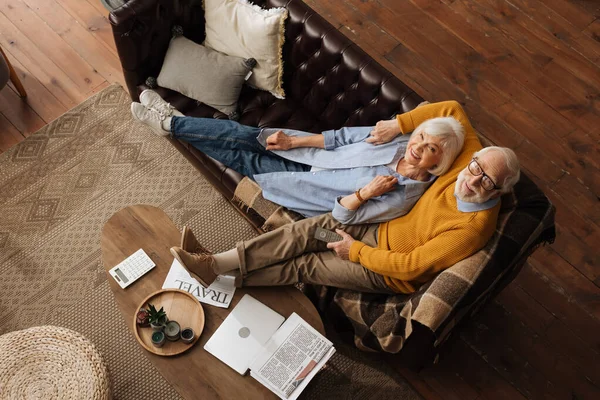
x: 474, y: 207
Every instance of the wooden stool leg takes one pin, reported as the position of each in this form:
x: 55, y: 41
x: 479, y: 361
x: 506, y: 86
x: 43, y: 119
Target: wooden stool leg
x: 14, y: 78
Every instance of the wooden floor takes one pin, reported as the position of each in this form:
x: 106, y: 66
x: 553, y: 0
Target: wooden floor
x: 526, y: 71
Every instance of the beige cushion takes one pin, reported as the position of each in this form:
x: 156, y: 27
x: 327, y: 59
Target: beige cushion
x: 241, y: 29
x: 204, y: 74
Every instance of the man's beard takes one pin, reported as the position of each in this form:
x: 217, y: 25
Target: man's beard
x: 464, y: 195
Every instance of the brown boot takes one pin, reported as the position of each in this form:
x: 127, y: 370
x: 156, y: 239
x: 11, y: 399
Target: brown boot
x: 200, y: 266
x: 190, y: 244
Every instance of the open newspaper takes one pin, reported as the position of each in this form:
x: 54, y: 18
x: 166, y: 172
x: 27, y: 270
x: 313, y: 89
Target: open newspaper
x: 291, y: 358
x: 219, y: 293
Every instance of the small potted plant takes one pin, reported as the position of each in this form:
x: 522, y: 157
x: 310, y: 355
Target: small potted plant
x: 157, y: 319
x: 142, y: 318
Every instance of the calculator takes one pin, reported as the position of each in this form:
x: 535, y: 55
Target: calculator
x: 132, y: 268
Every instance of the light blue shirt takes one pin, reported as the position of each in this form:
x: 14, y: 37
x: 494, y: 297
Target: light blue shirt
x: 466, y: 207
x: 349, y: 164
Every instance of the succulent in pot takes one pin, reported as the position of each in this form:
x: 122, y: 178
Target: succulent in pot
x: 142, y: 318
x: 158, y: 319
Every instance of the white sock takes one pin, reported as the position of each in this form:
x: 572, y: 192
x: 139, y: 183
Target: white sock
x: 226, y: 261
x: 166, y: 124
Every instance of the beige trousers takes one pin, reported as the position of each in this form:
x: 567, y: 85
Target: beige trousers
x: 291, y: 254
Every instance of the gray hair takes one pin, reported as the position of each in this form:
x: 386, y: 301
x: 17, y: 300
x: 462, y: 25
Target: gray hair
x: 452, y: 138
x: 512, y: 164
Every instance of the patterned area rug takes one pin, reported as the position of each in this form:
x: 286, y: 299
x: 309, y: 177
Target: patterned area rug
x: 59, y: 186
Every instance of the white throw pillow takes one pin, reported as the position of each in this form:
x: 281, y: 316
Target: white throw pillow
x: 242, y: 29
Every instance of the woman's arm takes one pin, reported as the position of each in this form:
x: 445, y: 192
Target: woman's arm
x: 381, y: 209
x: 281, y: 141
x: 378, y: 186
x: 408, y: 121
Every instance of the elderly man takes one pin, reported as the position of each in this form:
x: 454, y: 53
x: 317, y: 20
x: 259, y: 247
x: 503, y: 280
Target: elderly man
x: 451, y: 221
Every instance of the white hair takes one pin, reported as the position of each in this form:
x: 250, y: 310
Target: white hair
x: 452, y: 138
x: 512, y: 165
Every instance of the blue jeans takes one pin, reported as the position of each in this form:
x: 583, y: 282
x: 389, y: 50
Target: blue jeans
x: 233, y: 144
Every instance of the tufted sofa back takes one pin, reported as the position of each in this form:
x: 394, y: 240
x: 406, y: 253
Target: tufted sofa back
x: 329, y: 82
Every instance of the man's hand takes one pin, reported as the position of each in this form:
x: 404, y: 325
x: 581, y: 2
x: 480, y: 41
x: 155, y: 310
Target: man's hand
x: 384, y: 131
x: 379, y: 185
x: 279, y: 141
x: 342, y: 248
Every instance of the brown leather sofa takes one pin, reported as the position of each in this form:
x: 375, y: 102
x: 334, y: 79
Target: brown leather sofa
x: 329, y: 82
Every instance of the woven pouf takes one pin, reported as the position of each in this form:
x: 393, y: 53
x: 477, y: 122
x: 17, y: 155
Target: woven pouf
x: 49, y: 362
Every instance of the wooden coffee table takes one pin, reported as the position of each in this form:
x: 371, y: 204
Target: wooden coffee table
x: 195, y: 374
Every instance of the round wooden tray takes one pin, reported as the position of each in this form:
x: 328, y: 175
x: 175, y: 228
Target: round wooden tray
x: 180, y: 306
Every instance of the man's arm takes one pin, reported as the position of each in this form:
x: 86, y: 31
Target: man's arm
x: 437, y: 254
x: 408, y: 121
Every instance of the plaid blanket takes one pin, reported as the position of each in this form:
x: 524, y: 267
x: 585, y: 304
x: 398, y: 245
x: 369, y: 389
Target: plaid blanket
x: 386, y: 322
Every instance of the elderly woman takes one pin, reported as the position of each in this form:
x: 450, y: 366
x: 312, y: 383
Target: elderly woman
x: 340, y: 171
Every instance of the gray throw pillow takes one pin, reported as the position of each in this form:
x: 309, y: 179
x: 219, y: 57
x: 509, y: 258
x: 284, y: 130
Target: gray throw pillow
x: 204, y: 74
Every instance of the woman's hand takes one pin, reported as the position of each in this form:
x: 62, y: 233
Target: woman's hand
x: 379, y: 185
x: 279, y: 141
x: 342, y: 248
x: 384, y: 131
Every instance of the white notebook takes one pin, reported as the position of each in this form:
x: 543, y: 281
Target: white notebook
x: 243, y: 333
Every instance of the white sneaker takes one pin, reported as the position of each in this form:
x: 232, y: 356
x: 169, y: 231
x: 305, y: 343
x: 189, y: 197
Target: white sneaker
x: 152, y: 118
x: 152, y: 100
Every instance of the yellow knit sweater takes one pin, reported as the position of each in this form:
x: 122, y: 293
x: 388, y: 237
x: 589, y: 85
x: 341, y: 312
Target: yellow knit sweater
x: 434, y: 235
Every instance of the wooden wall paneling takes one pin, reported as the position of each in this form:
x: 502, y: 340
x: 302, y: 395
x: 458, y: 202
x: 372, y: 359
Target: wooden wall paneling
x: 44, y: 69
x: 51, y: 44
x: 39, y: 98
x: 18, y: 112
x: 88, y: 16
x: 81, y: 40
x: 9, y: 135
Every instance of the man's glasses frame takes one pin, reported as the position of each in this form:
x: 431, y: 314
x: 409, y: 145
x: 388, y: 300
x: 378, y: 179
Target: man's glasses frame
x: 486, y: 182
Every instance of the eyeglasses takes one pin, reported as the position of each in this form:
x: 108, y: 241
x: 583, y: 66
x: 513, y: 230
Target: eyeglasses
x: 486, y: 182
